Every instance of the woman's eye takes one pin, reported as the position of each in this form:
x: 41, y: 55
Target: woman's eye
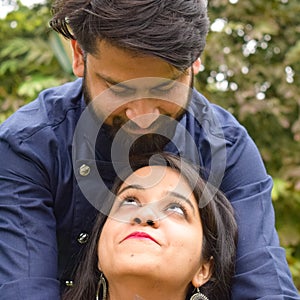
x: 129, y: 201
x: 176, y: 208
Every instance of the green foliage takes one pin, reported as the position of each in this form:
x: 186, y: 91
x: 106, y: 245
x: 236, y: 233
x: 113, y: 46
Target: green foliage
x: 27, y: 62
x: 252, y: 68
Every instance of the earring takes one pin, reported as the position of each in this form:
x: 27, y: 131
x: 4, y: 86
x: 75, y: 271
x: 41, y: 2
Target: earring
x: 101, y: 283
x: 198, y: 296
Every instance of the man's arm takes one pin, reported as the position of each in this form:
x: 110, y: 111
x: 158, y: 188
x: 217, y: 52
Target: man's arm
x: 28, y: 268
x: 261, y: 271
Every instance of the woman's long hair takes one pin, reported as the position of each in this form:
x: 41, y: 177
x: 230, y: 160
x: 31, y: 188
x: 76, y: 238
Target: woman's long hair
x: 219, y: 233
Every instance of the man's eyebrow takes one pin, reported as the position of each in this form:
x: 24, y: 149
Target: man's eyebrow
x: 119, y: 82
x: 165, y: 83
x: 112, y: 81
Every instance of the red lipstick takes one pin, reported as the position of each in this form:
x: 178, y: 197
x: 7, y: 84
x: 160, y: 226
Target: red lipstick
x: 139, y: 235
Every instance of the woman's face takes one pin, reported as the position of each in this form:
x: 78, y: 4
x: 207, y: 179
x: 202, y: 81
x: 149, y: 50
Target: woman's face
x: 169, y: 248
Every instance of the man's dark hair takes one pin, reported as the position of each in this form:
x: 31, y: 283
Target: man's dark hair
x: 174, y: 30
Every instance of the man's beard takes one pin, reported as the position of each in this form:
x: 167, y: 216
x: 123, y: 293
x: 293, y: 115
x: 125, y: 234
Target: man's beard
x: 126, y: 144
x: 153, y: 142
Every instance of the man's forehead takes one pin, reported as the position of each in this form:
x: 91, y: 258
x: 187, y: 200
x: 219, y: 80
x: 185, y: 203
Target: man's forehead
x: 121, y: 64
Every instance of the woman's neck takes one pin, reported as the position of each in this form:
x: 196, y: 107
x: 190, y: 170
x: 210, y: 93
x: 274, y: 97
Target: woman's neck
x: 141, y: 289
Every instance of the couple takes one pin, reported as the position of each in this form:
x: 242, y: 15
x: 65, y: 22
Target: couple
x: 167, y: 236
x: 136, y: 60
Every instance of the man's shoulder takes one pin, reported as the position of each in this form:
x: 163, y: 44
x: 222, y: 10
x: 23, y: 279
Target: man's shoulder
x: 215, y: 119
x: 52, y: 107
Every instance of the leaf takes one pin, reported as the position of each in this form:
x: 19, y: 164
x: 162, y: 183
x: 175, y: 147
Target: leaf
x: 34, y: 85
x: 293, y: 55
x: 9, y: 66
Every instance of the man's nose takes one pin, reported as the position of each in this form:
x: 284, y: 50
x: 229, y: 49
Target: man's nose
x: 143, y: 112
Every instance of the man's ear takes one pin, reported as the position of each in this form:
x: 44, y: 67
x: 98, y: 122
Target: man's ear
x: 196, y: 66
x: 78, y: 59
x: 203, y: 274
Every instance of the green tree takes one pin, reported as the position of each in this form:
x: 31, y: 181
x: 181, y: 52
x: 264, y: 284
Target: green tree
x: 27, y: 59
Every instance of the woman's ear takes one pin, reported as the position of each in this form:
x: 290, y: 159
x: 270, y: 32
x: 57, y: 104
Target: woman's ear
x: 99, y: 266
x: 203, y: 274
x: 78, y: 59
x: 196, y: 66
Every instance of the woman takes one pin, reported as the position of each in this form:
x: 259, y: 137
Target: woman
x: 168, y: 236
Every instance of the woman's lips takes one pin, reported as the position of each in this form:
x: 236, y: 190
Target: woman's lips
x: 139, y: 235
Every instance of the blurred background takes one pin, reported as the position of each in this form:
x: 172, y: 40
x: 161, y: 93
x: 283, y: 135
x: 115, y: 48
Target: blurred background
x: 251, y: 67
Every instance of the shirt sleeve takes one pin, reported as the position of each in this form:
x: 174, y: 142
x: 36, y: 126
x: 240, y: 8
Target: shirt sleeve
x: 262, y: 271
x: 28, y: 247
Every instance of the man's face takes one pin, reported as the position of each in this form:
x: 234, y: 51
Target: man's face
x: 138, y: 94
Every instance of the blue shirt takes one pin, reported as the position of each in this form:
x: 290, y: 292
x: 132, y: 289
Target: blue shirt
x: 46, y: 219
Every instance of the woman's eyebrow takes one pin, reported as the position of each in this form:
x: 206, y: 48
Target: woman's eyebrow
x: 132, y: 186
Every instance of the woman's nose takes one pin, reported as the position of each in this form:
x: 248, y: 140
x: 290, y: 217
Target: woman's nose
x: 146, y: 222
x: 146, y: 217
x: 143, y: 112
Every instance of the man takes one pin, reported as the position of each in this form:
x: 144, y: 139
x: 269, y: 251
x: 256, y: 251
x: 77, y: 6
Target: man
x: 136, y: 60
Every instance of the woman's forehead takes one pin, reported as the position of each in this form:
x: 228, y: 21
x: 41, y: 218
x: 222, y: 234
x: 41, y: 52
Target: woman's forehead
x: 162, y: 177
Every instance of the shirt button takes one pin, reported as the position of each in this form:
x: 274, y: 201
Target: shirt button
x: 83, y: 238
x: 84, y: 170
